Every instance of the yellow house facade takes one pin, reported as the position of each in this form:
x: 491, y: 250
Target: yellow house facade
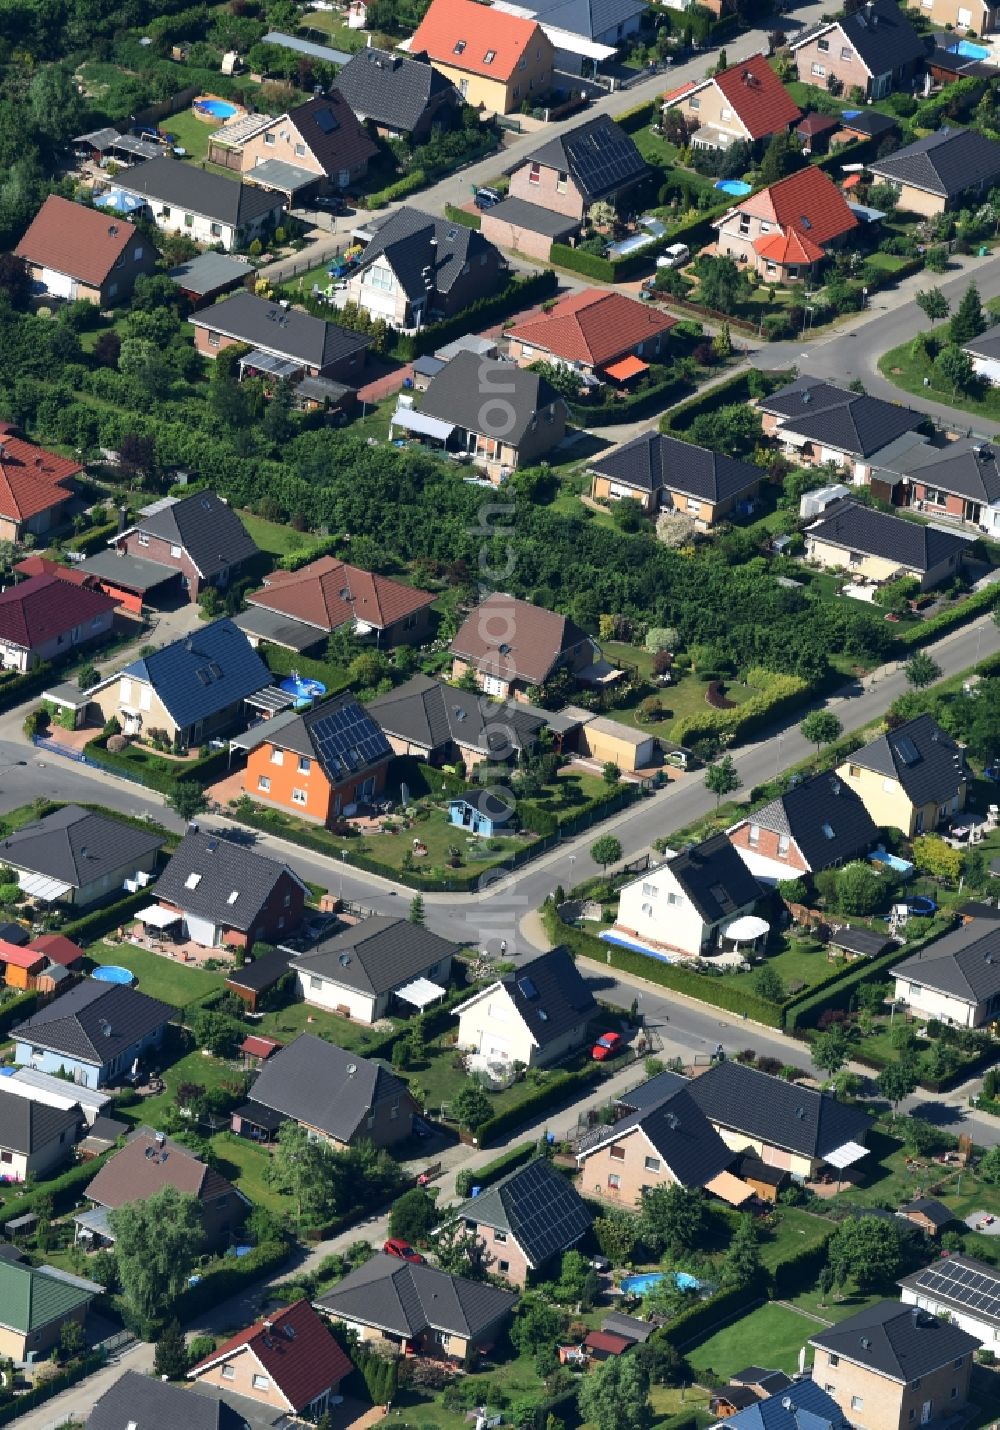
x: 495, y: 60
x: 911, y: 779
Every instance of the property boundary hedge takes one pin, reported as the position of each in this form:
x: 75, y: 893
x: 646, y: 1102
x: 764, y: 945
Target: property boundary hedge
x: 463, y: 217
x: 836, y: 992
x: 780, y: 694
x: 230, y: 1277
x: 800, y: 1271
x: 100, y: 921
x: 519, y: 293
x: 201, y: 771
x: 635, y: 119
x: 64, y: 1190
x: 408, y: 184
x: 734, y: 389
x: 631, y: 407
x: 51, y: 1386
x: 23, y: 687
x: 500, y: 1166
x: 709, y: 1315
x: 92, y: 540
x: 945, y: 621
x: 17, y: 1010
x: 556, y: 1090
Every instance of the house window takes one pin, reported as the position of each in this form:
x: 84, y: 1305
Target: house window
x: 783, y: 846
x: 213, y: 340
x: 300, y: 149
x: 112, y: 289
x: 261, y: 1382
x: 6, y: 1156
x: 694, y: 102
x: 675, y: 899
x: 834, y: 1361
x: 818, y: 71
x: 823, y: 46
x: 744, y: 223
x: 753, y: 834
x: 142, y: 538
x: 410, y: 621
x: 503, y: 1266
x: 499, y: 1236
x: 726, y: 112
x: 228, y: 1372
x: 315, y: 984
x: 270, y: 138
x: 649, y: 891
x: 277, y: 756
x: 792, y: 272
x: 614, y: 1181
x: 652, y: 1164
x: 264, y: 783
x: 772, y: 269
x: 463, y: 87
x: 394, y: 1109
x: 617, y: 1152
x: 561, y: 182
x: 857, y: 1402
x: 489, y: 57
x: 535, y: 174
x: 888, y: 786
x: 846, y: 53
x: 299, y: 796
x: 175, y: 551
x: 935, y: 497
x: 459, y: 47
x: 854, y: 772
x: 959, y: 1362
x: 305, y: 764
x: 380, y: 278
x: 189, y: 220
x: 831, y: 1388
x: 137, y: 255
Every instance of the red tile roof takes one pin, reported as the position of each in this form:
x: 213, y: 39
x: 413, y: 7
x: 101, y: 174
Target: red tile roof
x: 607, y: 1341
x: 593, y: 327
x: 296, y: 1350
x: 31, y: 479
x: 73, y: 239
x: 758, y: 97
x: 480, y: 31
x: 808, y: 202
x: 38, y: 610
x: 788, y: 247
x: 327, y: 593
x: 44, y: 566
x: 258, y: 1047
x: 57, y: 949
x: 30, y: 958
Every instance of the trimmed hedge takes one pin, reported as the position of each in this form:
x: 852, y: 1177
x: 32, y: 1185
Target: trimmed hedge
x: 568, y: 1085
x: 463, y: 217
x: 837, y: 993
x: 945, y: 621
x: 719, y: 992
x: 52, y: 1385
x: 309, y: 551
x: 780, y: 694
x: 734, y: 389
x: 281, y: 662
x: 93, y: 540
x: 631, y: 407
x: 65, y: 1190
x: 692, y: 1325
x: 638, y: 118
x: 408, y: 184
x: 200, y: 771
x: 23, y: 687
x: 577, y: 260
x: 500, y: 1166
x: 800, y: 1271
x: 229, y: 1277
x: 18, y: 1009
x: 519, y: 293
x: 98, y: 922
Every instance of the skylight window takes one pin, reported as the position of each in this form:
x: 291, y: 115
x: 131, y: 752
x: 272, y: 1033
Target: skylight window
x: 233, y: 896
x: 828, y: 831
x: 192, y: 881
x: 806, y: 223
x: 459, y: 47
x: 489, y: 57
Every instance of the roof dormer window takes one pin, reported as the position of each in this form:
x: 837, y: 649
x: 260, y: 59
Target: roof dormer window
x: 489, y: 57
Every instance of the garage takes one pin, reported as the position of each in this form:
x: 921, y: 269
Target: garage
x: 200, y: 931
x: 60, y: 285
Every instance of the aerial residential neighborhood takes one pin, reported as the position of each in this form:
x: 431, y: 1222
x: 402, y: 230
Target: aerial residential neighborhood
x: 500, y: 715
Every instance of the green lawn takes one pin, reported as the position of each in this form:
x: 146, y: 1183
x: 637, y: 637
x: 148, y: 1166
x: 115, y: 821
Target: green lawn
x: 287, y: 1023
x: 833, y: 1307
x: 908, y: 372
x: 159, y: 977
x: 192, y: 133
x: 244, y: 1163
x: 796, y: 1231
x: 197, y: 1067
x: 685, y: 697
x: 772, y: 1336
x: 328, y: 28
x: 271, y: 536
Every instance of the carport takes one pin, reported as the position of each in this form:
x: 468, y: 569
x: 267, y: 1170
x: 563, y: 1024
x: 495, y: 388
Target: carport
x: 129, y: 579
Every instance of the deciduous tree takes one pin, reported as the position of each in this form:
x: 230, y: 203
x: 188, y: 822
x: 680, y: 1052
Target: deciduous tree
x: 722, y: 778
x: 821, y: 727
x: 606, y: 850
x: 672, y: 1218
x: 156, y: 1243
x: 922, y: 670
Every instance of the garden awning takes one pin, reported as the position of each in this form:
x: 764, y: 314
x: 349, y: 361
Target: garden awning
x: 158, y: 917
x: 730, y: 1188
x: 420, y: 992
x: 626, y: 368
x: 412, y: 421
x: 40, y: 886
x: 846, y: 1155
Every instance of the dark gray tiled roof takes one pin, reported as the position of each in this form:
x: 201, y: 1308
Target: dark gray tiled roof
x: 925, y: 760
x: 94, y: 1021
x: 290, y: 332
x: 629, y: 1326
x: 937, y: 1213
x: 759, y: 1375
x: 405, y: 235
x: 806, y: 1406
x: 537, y: 1205
x: 206, y: 527
x: 456, y: 395
x: 882, y: 36
x: 599, y: 156
x: 679, y: 1131
x: 533, y: 217
x: 799, y: 1119
x: 222, y: 868
x: 964, y: 964
x: 652, y: 462
x: 899, y: 1342
x: 589, y: 18
x: 855, y: 527
x: 550, y: 995
x: 323, y: 1086
x: 966, y: 467
x: 209, y: 272
x: 139, y: 1400
x: 961, y: 1282
x: 715, y: 878
x: 77, y: 846
x: 203, y: 673
x: 826, y: 819
x: 654, y: 1091
x: 333, y: 132
x: 198, y: 191
x: 986, y: 345
x: 428, y: 712
x: 392, y: 89
x: 261, y: 973
x: 377, y: 955
x: 871, y: 122
x: 28, y: 1127
x: 277, y: 628
x: 407, y: 1299
x: 946, y: 163
x: 836, y: 417
x: 861, y: 941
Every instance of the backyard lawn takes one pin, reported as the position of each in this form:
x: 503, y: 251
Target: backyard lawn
x: 772, y: 1335
x: 157, y: 976
x: 192, y: 134
x: 271, y: 536
x: 687, y: 696
x: 202, y: 1069
x: 284, y: 1024
x: 244, y: 1163
x: 795, y: 1232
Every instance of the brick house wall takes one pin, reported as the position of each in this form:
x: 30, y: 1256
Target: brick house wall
x: 619, y: 1171
x: 839, y: 58
x: 548, y: 188
x: 770, y: 845
x: 873, y: 1402
x: 953, y: 505
x: 505, y: 1257
x: 154, y: 548
x: 509, y: 235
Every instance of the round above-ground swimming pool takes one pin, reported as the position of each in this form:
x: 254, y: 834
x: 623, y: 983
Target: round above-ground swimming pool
x: 113, y: 973
x: 638, y: 1285
x: 922, y: 906
x: 211, y: 107
x: 303, y: 689
x: 736, y: 187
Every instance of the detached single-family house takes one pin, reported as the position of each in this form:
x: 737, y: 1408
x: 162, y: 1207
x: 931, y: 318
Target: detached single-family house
x: 786, y: 231
x: 444, y: 725
x: 416, y: 268
x: 595, y: 333
x: 416, y: 1309
x: 36, y: 1302
x: 959, y: 478
x: 360, y: 970
x: 77, y: 856
x: 817, y: 824
x: 34, y: 1139
x: 149, y: 1162
x: 72, y: 251
x: 664, y: 474
x: 949, y: 169
x: 35, y: 487
x: 745, y: 102
x: 140, y: 1400
x: 892, y: 1366
x: 955, y: 979
x: 799, y: 1129
x: 910, y: 778
x: 525, y: 1219
x: 225, y: 894
x: 969, y: 17
x: 533, y: 1016
x: 287, y: 1362
x: 510, y: 646
x: 401, y: 96
x: 315, y: 146
x: 95, y: 1032
x: 874, y: 49
x: 320, y: 765
x: 207, y: 207
x: 501, y: 416
x: 46, y: 618
x: 879, y: 547
x: 193, y: 688
x: 963, y: 1289
x: 495, y: 60
x: 596, y: 161
x: 817, y: 422
x: 200, y: 536
x: 984, y: 351
x: 300, y: 609
x: 791, y: 1408
x: 663, y: 1140
x: 51, y: 1091
x: 334, y: 1094
x: 286, y: 343
x: 689, y: 903
x: 585, y: 33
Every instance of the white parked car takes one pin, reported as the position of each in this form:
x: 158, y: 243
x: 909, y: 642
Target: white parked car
x: 674, y: 257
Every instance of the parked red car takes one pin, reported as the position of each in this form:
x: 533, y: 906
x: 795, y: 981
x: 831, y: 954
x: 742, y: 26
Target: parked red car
x: 395, y: 1246
x: 608, y: 1045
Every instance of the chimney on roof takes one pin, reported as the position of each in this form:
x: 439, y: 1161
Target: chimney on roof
x: 122, y: 519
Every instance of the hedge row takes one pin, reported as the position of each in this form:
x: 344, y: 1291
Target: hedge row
x: 231, y: 1276
x: 309, y: 551
x: 780, y: 694
x: 638, y: 118
x: 462, y: 216
x: 580, y: 260
x: 734, y: 389
x: 98, y: 922
x: 64, y: 1191
x: 202, y: 771
x: 560, y: 1087
x: 519, y: 293
x: 52, y: 1385
x: 692, y: 1325
x: 837, y: 993
x: 23, y: 687
x: 720, y: 992
x: 18, y: 1009
x: 281, y: 662
x: 657, y: 395
x: 955, y: 616
x: 800, y: 1271
x: 408, y: 184
x: 93, y: 540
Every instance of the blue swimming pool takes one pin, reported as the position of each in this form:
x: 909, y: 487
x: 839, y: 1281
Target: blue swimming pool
x: 303, y: 689
x: 217, y: 108
x: 623, y: 941
x: 969, y: 51
x: 736, y: 187
x: 922, y: 906
x: 892, y: 861
x: 113, y: 973
x: 638, y: 1285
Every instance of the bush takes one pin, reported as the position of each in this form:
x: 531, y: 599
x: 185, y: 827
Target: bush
x: 493, y: 1171
x: 560, y: 1086
x: 780, y: 693
x: 229, y: 1277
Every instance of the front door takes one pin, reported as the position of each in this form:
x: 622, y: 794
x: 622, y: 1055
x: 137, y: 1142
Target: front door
x: 926, y: 1411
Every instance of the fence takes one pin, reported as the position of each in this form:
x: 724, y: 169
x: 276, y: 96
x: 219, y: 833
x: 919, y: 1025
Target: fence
x: 153, y: 113
x: 44, y: 742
